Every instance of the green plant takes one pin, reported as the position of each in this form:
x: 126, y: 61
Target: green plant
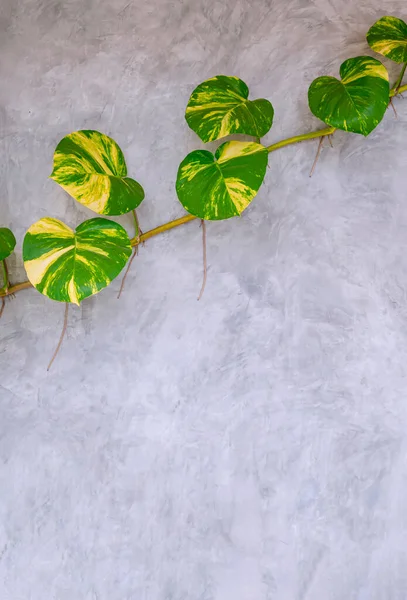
x: 69, y: 266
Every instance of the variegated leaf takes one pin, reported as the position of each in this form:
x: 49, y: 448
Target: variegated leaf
x: 221, y: 186
x: 90, y: 166
x: 219, y: 107
x: 7, y: 242
x: 358, y: 102
x: 388, y: 36
x: 69, y: 266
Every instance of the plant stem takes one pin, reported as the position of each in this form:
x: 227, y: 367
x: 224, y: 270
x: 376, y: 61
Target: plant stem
x: 13, y: 289
x: 396, y: 86
x: 6, y: 282
x: 400, y: 90
x: 301, y: 138
x: 139, y: 239
x: 166, y: 227
x: 24, y: 285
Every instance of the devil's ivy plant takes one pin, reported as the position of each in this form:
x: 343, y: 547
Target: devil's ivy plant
x: 69, y: 266
x: 7, y: 242
x: 222, y: 185
x: 90, y: 166
x: 388, y: 36
x: 358, y: 101
x: 220, y: 106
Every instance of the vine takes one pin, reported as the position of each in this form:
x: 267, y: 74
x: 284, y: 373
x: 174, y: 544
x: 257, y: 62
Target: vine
x: 69, y: 266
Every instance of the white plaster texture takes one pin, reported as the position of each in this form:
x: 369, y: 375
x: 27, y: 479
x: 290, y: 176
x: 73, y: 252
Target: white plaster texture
x: 250, y: 446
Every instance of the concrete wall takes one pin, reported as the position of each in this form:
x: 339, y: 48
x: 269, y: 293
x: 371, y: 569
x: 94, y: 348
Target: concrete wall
x: 251, y: 446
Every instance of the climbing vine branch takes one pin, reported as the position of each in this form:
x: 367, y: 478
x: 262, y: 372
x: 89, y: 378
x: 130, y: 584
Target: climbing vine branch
x: 301, y: 138
x: 138, y: 239
x: 397, y: 88
x: 69, y: 266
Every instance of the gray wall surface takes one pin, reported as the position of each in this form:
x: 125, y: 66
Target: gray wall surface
x: 250, y: 446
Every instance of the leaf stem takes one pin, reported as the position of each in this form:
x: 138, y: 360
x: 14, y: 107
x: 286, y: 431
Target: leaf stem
x: 136, y: 224
x: 301, y: 138
x: 401, y: 90
x: 396, y: 86
x: 135, y: 251
x: 6, y: 282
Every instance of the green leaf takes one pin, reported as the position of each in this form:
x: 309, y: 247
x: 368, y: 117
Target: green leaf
x: 220, y: 107
x: 90, y: 166
x: 221, y: 186
x: 69, y: 266
x: 388, y: 36
x: 358, y: 102
x: 7, y: 242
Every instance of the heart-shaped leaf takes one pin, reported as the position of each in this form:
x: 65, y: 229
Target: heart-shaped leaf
x: 7, y: 242
x: 358, y: 102
x: 220, y: 107
x: 69, y: 266
x: 90, y: 166
x: 221, y: 186
x: 388, y: 36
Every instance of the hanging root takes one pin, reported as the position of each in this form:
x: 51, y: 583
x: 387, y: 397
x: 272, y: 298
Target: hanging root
x: 138, y: 234
x: 61, y: 336
x: 3, y: 304
x: 205, y: 266
x: 321, y: 141
x: 135, y: 252
x: 393, y: 107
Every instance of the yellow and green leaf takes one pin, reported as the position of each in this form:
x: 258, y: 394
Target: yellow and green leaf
x: 90, y: 166
x: 221, y: 186
x: 388, y: 36
x: 7, y: 242
x: 358, y: 102
x: 69, y: 266
x: 219, y: 107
